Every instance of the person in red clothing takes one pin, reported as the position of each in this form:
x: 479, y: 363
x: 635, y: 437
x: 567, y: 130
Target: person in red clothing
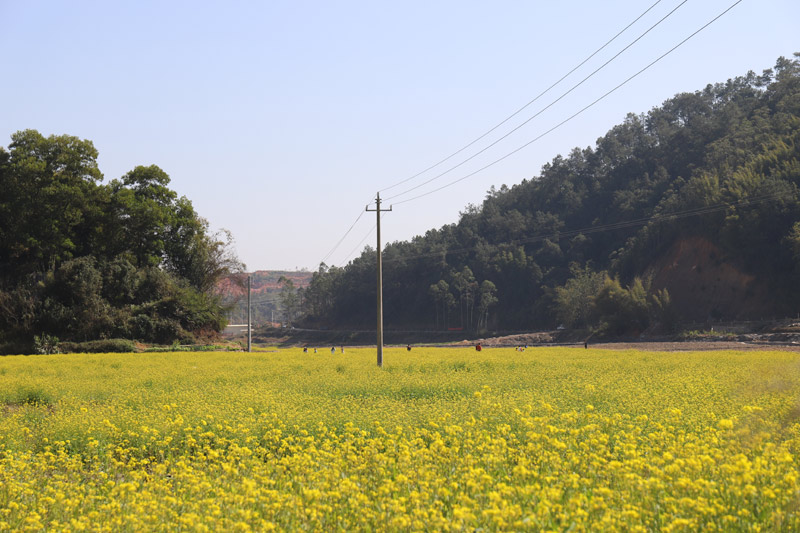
x: 478, y: 347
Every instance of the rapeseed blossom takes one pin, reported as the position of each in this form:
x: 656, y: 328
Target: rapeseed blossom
x: 438, y: 440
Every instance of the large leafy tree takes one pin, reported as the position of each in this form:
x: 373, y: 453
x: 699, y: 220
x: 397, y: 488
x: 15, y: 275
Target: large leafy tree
x: 144, y: 209
x: 48, y: 206
x: 82, y: 259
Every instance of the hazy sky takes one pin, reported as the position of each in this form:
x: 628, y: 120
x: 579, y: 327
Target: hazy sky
x: 280, y: 120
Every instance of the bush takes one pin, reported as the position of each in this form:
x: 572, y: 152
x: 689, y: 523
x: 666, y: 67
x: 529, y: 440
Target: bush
x: 101, y: 346
x: 622, y: 310
x: 16, y: 348
x: 45, y: 344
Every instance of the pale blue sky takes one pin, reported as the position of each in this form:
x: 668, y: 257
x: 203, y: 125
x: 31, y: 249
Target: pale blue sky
x: 281, y: 119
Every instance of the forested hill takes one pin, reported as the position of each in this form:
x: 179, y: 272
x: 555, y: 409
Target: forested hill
x: 687, y: 212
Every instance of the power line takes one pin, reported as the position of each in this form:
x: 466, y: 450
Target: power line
x: 518, y: 111
x: 357, y: 246
x: 545, y: 108
x: 551, y: 129
x: 346, y: 233
x: 336, y: 246
x: 567, y: 119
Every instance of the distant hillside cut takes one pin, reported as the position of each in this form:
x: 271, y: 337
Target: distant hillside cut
x: 689, y: 212
x: 266, y: 286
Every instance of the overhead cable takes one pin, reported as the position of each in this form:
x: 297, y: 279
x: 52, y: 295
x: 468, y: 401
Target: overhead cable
x: 357, y: 246
x: 545, y: 108
x: 336, y: 246
x: 346, y: 233
x: 509, y: 154
x: 518, y: 111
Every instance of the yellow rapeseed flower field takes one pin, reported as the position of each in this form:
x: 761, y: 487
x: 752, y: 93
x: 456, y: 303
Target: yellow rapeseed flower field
x: 440, y: 439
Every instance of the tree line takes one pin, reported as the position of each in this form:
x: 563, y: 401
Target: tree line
x: 85, y: 260
x: 584, y: 243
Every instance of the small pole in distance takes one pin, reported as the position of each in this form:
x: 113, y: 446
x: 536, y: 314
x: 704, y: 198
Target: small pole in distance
x: 249, y: 317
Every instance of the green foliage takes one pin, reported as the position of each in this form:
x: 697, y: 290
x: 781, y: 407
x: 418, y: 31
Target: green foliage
x: 721, y: 164
x: 443, y: 301
x: 99, y: 346
x: 30, y: 395
x: 662, y: 311
x: 49, y: 199
x: 88, y: 261
x: 622, y: 310
x: 793, y: 240
x: 575, y: 301
x: 486, y: 299
x: 290, y: 299
x: 16, y: 347
x: 193, y: 348
x: 694, y: 334
x: 45, y: 344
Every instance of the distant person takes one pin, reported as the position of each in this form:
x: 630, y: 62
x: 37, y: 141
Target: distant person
x: 315, y: 350
x: 333, y: 350
x: 305, y: 349
x: 478, y: 347
x: 408, y: 347
x: 342, y: 349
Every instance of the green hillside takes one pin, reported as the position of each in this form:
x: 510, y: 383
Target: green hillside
x: 687, y: 212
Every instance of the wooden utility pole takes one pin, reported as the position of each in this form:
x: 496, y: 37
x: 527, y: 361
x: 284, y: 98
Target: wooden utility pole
x: 249, y: 317
x: 378, y: 212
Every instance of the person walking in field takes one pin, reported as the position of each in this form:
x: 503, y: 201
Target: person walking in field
x: 333, y: 350
x: 408, y: 347
x: 478, y: 347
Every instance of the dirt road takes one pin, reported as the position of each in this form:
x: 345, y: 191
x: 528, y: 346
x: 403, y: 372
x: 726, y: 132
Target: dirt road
x: 539, y: 339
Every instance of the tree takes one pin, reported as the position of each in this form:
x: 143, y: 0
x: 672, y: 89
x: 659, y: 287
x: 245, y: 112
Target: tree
x: 146, y: 211
x: 486, y: 299
x: 661, y: 310
x: 622, y: 310
x: 290, y: 299
x: 575, y: 301
x: 465, y: 285
x: 650, y: 184
x: 47, y: 208
x: 73, y: 305
x: 87, y: 260
x: 320, y: 294
x: 443, y: 301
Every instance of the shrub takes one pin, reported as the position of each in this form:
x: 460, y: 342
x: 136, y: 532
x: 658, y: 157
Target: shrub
x: 45, y: 344
x: 101, y: 346
x: 16, y: 348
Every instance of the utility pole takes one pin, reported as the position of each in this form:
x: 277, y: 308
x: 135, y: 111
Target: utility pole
x: 249, y: 317
x: 378, y: 212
